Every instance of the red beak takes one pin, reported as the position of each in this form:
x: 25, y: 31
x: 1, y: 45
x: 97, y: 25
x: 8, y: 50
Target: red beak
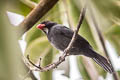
x: 40, y: 26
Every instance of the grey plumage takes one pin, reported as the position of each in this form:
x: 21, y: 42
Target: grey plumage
x: 60, y: 36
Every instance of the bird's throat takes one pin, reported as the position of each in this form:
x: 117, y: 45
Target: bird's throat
x: 45, y: 30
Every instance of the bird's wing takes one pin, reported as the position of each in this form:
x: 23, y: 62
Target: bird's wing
x: 69, y: 33
x: 66, y: 32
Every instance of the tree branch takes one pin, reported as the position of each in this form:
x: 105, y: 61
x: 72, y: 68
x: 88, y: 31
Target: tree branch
x: 66, y: 51
x: 36, y: 14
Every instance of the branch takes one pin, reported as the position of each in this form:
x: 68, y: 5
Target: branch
x: 66, y: 51
x: 36, y: 14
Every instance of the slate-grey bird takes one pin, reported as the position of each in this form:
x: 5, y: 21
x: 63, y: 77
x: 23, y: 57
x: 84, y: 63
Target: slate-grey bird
x: 60, y: 36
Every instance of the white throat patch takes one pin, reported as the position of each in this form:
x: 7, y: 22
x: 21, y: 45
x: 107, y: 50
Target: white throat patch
x: 46, y: 30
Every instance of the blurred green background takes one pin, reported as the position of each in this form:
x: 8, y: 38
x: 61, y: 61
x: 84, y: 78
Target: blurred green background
x: 66, y: 12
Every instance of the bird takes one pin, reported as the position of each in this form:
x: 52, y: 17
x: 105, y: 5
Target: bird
x: 60, y: 36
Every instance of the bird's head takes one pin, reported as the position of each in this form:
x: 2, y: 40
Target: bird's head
x: 46, y: 26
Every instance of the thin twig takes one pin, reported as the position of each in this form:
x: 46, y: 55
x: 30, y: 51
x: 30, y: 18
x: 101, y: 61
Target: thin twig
x: 33, y: 63
x: 66, y: 51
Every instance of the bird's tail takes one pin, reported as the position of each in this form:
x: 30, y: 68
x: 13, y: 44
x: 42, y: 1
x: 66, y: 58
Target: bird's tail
x: 100, y: 60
